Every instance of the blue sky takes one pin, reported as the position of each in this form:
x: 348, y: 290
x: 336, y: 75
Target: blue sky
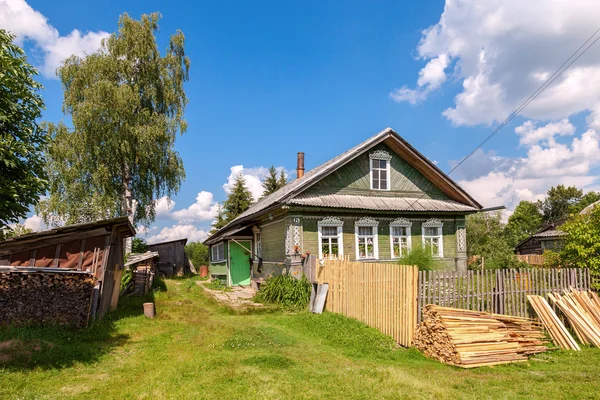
x: 271, y: 78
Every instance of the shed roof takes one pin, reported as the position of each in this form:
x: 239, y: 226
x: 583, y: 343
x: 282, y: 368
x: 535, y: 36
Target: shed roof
x: 589, y: 208
x: 184, y: 240
x: 392, y: 139
x: 128, y: 230
x: 549, y: 234
x: 136, y: 258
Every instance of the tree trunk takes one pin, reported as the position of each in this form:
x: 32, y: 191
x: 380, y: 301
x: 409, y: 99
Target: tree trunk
x: 127, y: 206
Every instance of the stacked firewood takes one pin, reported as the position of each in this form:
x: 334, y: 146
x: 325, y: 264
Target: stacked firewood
x: 45, y: 298
x: 471, y: 339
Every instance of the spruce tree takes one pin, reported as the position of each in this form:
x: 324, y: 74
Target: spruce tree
x: 219, y: 221
x: 270, y: 184
x: 282, y: 181
x: 239, y: 200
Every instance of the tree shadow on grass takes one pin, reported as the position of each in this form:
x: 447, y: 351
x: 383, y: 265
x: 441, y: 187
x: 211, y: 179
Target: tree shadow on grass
x: 25, y: 348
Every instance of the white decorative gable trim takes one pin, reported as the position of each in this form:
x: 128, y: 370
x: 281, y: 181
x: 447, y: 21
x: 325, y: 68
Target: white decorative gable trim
x: 330, y: 221
x: 380, y: 155
x: 433, y: 223
x: 403, y: 222
x: 366, y: 222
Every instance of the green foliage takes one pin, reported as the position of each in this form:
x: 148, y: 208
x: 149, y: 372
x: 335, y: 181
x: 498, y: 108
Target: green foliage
x: 126, y: 278
x: 22, y: 141
x: 139, y: 245
x: 215, y: 284
x: 560, y: 201
x: 586, y: 200
x: 239, y: 199
x: 219, y: 221
x: 524, y: 222
x: 272, y: 182
x: 14, y: 231
x: 197, y: 253
x: 286, y: 291
x: 126, y: 103
x: 421, y: 257
x: 486, y: 238
x: 582, y: 243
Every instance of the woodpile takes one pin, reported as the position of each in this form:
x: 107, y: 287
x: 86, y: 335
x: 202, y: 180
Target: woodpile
x: 471, y: 339
x: 582, y: 311
x: 49, y: 297
x: 553, y: 325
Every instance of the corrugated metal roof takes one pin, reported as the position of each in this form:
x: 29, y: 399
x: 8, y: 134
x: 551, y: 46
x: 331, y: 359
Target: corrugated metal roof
x: 379, y: 203
x: 549, y: 233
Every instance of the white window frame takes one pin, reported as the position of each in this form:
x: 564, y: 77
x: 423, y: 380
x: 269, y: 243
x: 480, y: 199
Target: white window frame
x: 381, y: 155
x: 257, y: 242
x: 400, y: 223
x: 434, y: 223
x: 367, y: 222
x: 331, y: 222
x: 215, y: 248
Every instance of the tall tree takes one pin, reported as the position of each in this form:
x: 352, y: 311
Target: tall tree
x: 198, y: 253
x: 525, y: 221
x: 239, y: 200
x: 559, y: 203
x: 22, y: 140
x: 126, y: 103
x: 486, y: 238
x: 272, y: 183
x: 219, y: 221
x: 586, y: 200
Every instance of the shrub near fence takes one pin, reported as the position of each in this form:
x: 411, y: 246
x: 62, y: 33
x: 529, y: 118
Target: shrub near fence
x: 380, y: 295
x: 502, y: 291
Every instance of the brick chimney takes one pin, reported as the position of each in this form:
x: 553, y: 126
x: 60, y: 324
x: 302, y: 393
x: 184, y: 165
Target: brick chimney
x: 300, y: 166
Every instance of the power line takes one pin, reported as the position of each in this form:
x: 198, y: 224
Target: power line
x: 565, y: 65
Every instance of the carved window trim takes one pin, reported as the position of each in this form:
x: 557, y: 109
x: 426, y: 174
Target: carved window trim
x: 361, y: 223
x: 331, y: 222
x: 400, y: 223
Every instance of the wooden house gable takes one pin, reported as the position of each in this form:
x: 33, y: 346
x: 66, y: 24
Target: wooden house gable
x: 355, y: 178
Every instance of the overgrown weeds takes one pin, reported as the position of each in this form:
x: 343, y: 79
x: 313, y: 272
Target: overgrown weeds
x: 286, y: 291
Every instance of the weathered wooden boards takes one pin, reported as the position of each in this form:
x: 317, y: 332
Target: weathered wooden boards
x: 582, y: 311
x: 471, y: 339
x: 558, y: 332
x: 45, y: 297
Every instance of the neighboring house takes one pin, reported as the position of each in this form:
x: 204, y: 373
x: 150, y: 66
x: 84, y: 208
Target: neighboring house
x: 95, y: 248
x: 547, y: 238
x: 172, y: 258
x: 374, y: 202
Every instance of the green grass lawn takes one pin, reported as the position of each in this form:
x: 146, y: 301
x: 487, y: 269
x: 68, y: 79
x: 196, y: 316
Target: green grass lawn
x: 197, y: 349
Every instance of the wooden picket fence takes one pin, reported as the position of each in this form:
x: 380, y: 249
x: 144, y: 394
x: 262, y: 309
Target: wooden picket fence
x: 380, y: 295
x: 496, y: 291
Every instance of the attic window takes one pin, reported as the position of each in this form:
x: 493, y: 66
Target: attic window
x: 380, y: 170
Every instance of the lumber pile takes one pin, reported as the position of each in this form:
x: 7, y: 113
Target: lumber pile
x: 582, y: 311
x: 31, y: 296
x: 471, y: 339
x: 553, y: 325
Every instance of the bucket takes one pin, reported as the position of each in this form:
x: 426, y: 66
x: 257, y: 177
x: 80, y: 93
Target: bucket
x: 203, y: 271
x: 149, y: 310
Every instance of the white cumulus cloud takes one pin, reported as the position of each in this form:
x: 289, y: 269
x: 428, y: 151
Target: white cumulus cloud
x: 19, y: 18
x: 502, y: 51
x: 189, y: 231
x: 253, y: 176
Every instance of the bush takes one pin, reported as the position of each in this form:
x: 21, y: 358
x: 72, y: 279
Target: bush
x: 286, y: 291
x: 421, y: 257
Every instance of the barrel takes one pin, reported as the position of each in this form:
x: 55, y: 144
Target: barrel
x: 203, y: 271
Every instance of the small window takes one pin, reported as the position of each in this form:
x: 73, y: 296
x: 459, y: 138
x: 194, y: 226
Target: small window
x: 218, y: 252
x: 330, y: 238
x: 366, y: 239
x: 432, y: 237
x: 257, y: 244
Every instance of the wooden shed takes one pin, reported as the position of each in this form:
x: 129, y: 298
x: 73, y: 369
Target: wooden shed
x: 94, y: 247
x: 171, y: 256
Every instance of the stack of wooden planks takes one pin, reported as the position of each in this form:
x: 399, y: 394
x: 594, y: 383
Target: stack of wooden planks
x: 471, y: 339
x: 582, y: 311
x: 557, y: 330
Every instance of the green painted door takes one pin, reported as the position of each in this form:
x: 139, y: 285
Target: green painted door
x: 239, y: 263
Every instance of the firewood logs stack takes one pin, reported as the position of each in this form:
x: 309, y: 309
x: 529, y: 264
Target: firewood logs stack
x: 471, y: 339
x: 45, y: 298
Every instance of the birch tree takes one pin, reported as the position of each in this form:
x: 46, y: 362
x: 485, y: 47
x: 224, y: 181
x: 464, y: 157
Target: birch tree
x: 126, y: 103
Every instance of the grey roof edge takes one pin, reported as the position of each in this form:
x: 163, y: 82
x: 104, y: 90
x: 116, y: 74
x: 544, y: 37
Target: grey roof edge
x: 293, y: 188
x: 169, y: 241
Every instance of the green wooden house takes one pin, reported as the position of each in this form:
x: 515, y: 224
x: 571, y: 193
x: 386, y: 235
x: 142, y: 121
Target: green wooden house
x: 375, y: 202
